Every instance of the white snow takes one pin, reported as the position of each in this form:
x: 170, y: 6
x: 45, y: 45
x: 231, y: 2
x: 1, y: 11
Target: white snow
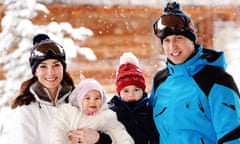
x: 18, y: 30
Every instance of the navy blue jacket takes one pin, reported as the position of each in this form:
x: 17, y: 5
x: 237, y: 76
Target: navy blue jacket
x: 137, y: 118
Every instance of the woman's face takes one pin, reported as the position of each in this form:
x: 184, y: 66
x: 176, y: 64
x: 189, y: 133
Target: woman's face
x: 50, y: 73
x: 131, y: 93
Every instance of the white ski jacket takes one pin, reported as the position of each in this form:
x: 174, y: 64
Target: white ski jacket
x: 70, y: 117
x: 30, y: 124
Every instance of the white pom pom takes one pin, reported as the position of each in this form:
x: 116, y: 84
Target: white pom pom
x: 129, y: 58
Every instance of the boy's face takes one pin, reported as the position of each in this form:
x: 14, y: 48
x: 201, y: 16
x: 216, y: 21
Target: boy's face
x: 92, y: 102
x: 131, y: 93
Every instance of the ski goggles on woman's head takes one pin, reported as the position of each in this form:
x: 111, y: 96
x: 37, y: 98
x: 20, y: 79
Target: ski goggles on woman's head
x: 43, y: 49
x: 170, y: 23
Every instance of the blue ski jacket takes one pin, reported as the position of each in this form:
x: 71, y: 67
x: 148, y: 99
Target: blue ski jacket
x: 196, y: 102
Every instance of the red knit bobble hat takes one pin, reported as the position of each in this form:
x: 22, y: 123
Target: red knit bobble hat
x: 129, y: 73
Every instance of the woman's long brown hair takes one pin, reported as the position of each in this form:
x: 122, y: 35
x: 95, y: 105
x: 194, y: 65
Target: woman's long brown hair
x: 25, y: 97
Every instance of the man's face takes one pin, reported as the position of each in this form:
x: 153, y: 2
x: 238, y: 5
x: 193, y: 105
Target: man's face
x: 178, y: 48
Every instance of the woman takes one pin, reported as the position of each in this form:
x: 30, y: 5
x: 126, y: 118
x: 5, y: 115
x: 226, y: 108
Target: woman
x: 40, y: 97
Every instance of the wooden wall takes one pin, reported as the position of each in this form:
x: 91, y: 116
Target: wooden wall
x: 121, y: 29
x: 116, y: 30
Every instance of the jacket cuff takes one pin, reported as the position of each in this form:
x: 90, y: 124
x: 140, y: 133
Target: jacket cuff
x: 104, y: 138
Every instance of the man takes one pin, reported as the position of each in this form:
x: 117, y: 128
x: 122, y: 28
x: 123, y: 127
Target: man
x: 195, y: 101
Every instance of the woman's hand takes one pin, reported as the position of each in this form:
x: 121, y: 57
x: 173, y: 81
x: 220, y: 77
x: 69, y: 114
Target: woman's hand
x: 83, y: 136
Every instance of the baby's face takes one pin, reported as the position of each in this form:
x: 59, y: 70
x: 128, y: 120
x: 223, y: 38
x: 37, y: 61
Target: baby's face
x: 131, y: 93
x: 92, y: 102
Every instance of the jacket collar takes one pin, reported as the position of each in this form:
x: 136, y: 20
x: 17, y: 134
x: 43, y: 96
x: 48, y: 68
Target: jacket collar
x: 42, y: 95
x: 201, y: 58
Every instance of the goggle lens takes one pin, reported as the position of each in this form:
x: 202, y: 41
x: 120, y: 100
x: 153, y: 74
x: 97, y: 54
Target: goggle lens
x: 170, y: 22
x: 43, y: 49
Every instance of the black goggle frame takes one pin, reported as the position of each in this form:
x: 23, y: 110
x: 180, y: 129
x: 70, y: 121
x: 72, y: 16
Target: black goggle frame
x: 170, y: 23
x: 42, y: 50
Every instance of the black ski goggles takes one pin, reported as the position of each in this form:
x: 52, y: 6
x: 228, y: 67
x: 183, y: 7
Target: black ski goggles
x: 43, y: 49
x: 169, y: 23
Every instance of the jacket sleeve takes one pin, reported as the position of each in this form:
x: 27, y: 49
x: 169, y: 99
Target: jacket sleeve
x: 152, y: 94
x: 224, y: 106
x: 116, y: 129
x: 23, y: 127
x: 104, y: 138
x: 60, y: 126
x: 159, y: 77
